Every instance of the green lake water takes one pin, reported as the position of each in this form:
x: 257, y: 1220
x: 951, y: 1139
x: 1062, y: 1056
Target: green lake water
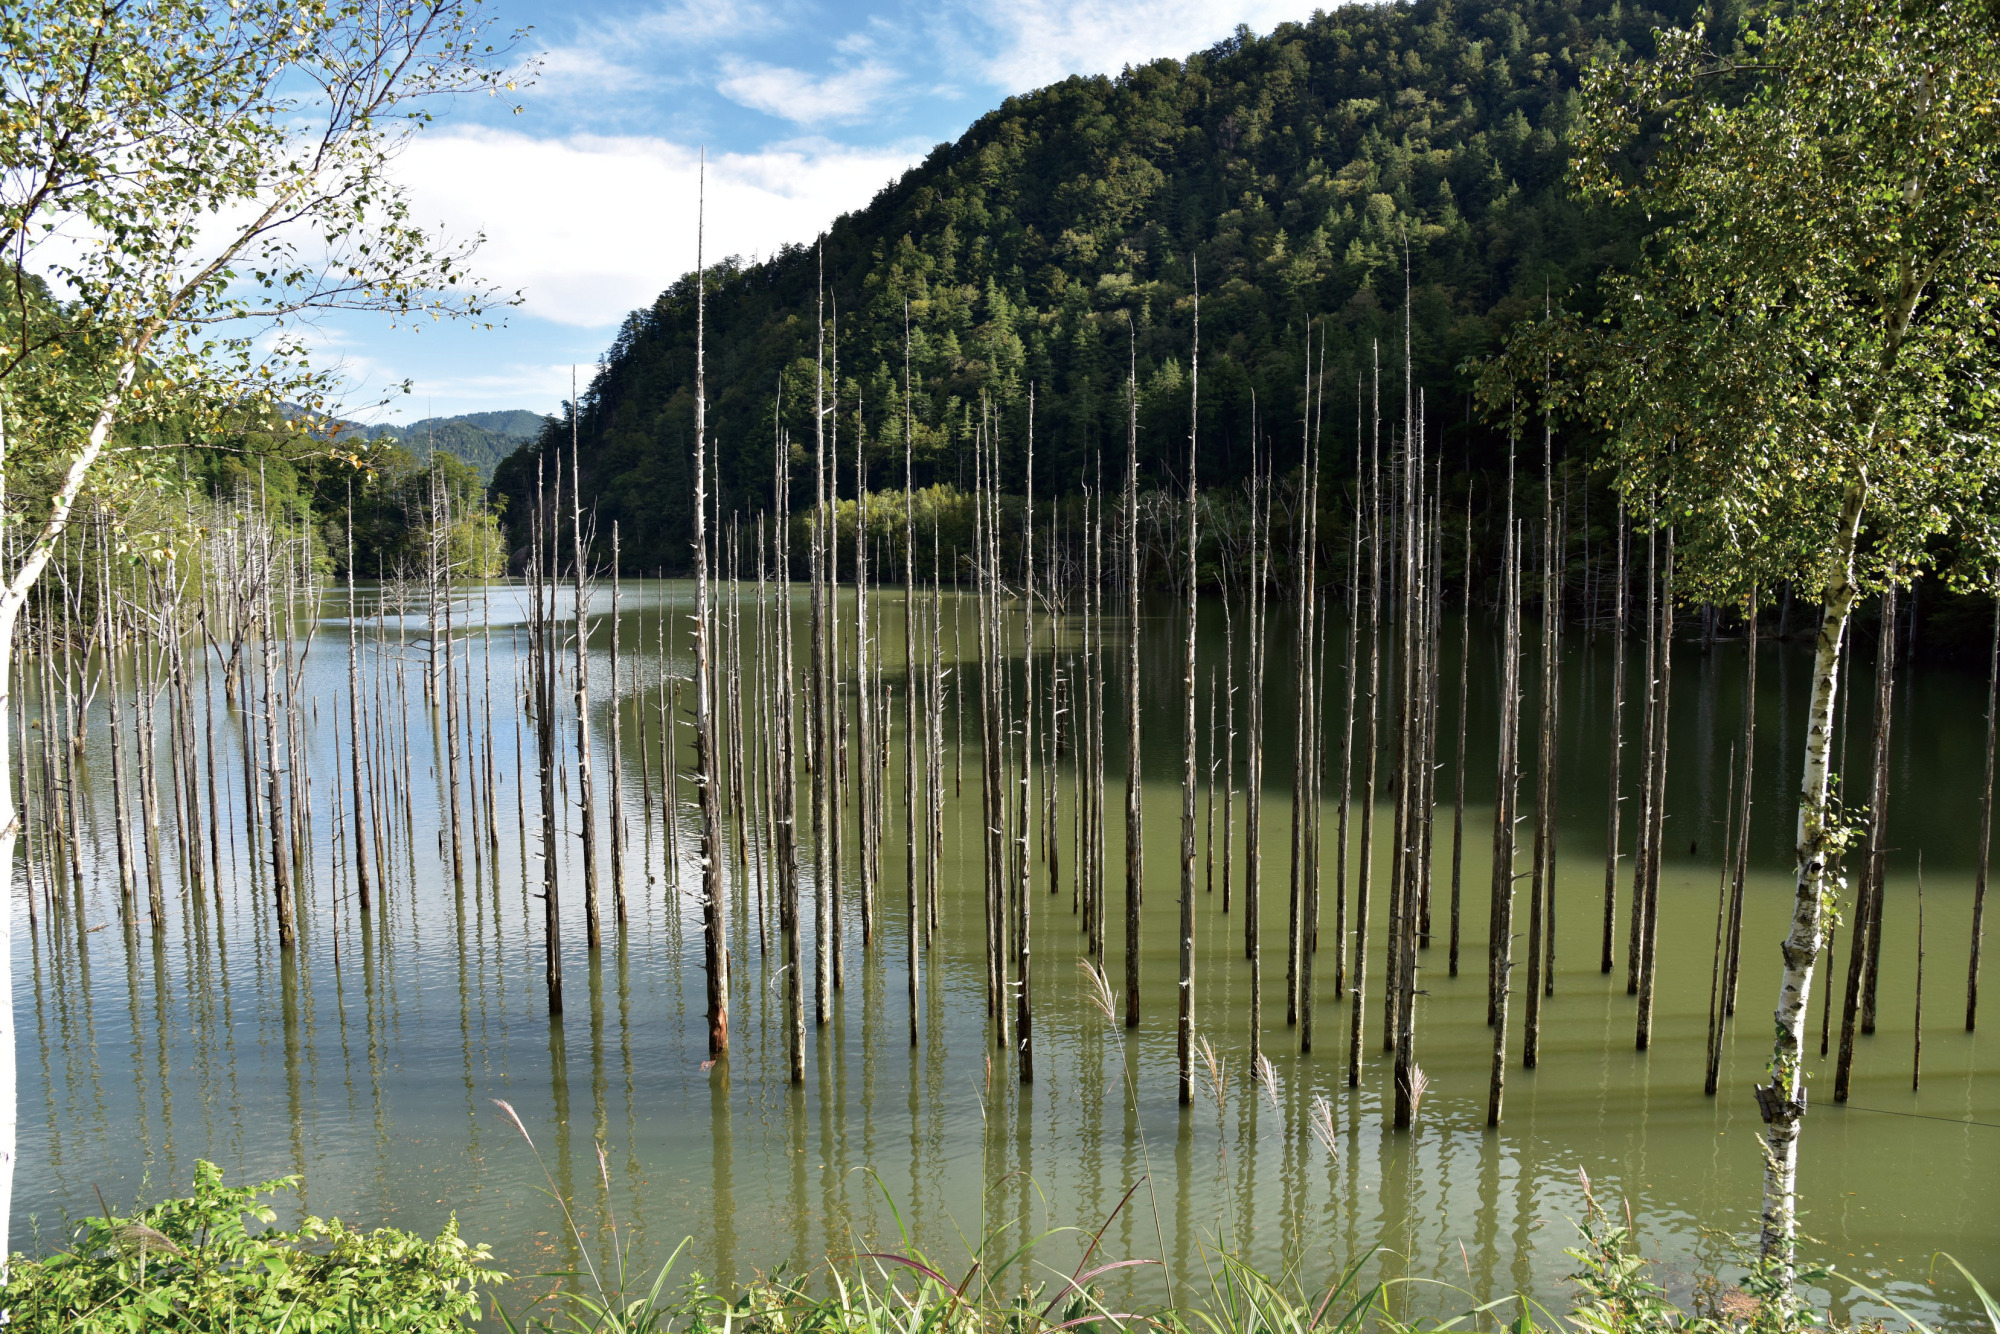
x: 368, y: 1060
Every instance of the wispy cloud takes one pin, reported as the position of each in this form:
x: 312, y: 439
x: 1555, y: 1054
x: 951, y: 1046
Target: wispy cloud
x: 843, y: 96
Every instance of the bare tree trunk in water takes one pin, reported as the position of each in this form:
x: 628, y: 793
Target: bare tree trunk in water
x: 1732, y: 956
x: 1878, y: 808
x: 1617, y: 749
x: 1656, y: 840
x: 1539, y: 881
x: 1372, y: 503
x: 361, y: 880
x: 1866, y: 940
x: 617, y: 754
x: 1185, y: 1028
x: 1302, y: 687
x: 785, y: 782
x: 1458, y: 790
x: 1500, y: 920
x: 1134, y: 850
x: 1347, y: 717
x: 708, y: 789
x: 1985, y: 833
x: 1715, y: 998
x: 586, y: 787
x: 910, y: 905
x: 1024, y: 1010
x: 1253, y: 796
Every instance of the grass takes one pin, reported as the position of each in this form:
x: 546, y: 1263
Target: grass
x: 192, y: 1265
x: 905, y: 1292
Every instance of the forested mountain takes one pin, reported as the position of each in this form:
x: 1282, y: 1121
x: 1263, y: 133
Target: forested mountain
x: 1064, y: 233
x: 481, y: 439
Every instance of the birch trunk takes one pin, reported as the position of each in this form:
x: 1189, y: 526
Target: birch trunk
x: 1782, y: 1102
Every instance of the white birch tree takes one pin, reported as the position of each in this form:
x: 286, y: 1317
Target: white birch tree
x: 1797, y: 372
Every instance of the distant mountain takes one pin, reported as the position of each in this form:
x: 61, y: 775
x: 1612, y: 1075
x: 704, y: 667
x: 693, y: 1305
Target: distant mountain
x: 479, y: 438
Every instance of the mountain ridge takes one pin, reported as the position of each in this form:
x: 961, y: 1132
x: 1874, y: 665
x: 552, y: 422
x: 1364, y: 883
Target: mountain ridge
x: 1064, y: 238
x: 481, y: 439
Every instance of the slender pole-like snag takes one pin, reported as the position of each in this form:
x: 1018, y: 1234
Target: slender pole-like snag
x: 1184, y: 1032
x: 1985, y: 849
x: 1228, y: 738
x: 1867, y: 937
x: 1715, y: 971
x: 542, y: 667
x: 586, y: 787
x: 453, y: 705
x: 1500, y: 922
x: 1657, y: 802
x: 1917, y: 1019
x: 1134, y: 850
x: 1418, y: 640
x: 1878, y: 812
x: 1312, y: 670
x: 820, y: 755
x: 708, y: 787
x: 991, y: 804
x: 1732, y: 950
x: 616, y: 754
x: 1371, y: 485
x: 1540, y: 883
x: 864, y: 701
x: 786, y: 779
x: 363, y: 887
x: 1642, y: 843
x: 912, y: 921
x: 1024, y: 1043
x: 1302, y: 685
x: 1403, y: 773
x: 1253, y: 795
x: 1458, y: 782
x: 1341, y: 869
x: 281, y: 858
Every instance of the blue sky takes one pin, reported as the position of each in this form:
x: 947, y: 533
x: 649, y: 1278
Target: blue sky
x: 806, y: 108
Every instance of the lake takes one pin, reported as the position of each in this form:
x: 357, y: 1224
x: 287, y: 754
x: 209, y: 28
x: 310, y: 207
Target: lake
x: 368, y: 1060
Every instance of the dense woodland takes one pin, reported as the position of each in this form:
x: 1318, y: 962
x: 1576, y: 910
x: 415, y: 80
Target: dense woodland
x: 1292, y: 173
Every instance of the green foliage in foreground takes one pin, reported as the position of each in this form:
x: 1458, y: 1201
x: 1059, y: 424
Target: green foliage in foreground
x: 191, y: 1264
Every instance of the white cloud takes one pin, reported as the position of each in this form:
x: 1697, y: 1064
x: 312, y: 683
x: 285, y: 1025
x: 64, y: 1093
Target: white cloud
x: 845, y: 96
x: 570, y: 70
x: 703, y: 21
x: 590, y: 227
x: 1045, y: 40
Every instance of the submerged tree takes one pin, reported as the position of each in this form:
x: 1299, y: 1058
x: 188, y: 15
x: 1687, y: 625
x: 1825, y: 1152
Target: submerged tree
x: 1794, y: 373
x: 182, y: 183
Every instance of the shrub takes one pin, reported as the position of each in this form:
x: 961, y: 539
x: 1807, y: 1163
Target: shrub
x: 193, y: 1265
